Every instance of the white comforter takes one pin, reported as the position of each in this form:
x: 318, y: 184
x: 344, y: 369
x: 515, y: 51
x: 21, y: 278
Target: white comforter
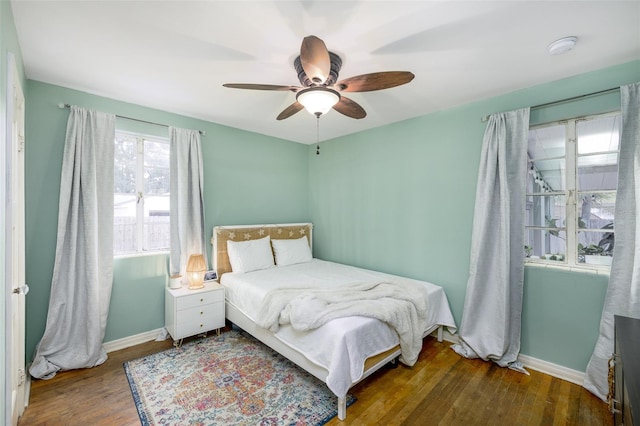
x: 401, y: 305
x: 341, y: 345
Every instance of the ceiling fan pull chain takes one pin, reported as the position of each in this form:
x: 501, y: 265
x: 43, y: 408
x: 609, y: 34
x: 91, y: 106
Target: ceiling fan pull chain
x: 317, y: 134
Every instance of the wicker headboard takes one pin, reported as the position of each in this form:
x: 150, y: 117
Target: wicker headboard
x: 221, y: 234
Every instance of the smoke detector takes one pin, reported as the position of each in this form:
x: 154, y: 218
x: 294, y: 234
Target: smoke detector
x: 562, y: 45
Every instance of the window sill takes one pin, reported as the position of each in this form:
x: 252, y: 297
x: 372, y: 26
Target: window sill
x: 141, y: 254
x: 596, y: 270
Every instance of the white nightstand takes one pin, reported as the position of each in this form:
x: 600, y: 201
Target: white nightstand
x: 190, y: 312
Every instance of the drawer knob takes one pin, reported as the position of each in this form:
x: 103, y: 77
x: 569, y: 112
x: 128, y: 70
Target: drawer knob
x: 201, y: 326
x: 201, y: 312
x: 202, y: 300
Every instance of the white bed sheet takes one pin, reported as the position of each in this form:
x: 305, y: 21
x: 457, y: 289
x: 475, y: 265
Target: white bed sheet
x: 341, y: 346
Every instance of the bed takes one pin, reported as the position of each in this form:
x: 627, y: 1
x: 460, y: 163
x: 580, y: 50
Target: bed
x: 341, y: 351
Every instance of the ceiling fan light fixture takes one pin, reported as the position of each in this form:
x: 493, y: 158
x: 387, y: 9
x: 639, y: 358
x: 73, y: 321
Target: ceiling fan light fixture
x: 318, y: 71
x: 318, y: 100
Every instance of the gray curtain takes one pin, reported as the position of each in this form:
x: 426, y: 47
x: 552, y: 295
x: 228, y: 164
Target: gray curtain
x: 83, y: 268
x: 623, y: 292
x: 187, y: 206
x: 490, y: 327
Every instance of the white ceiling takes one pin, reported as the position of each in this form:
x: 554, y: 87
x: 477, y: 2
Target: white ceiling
x: 175, y: 55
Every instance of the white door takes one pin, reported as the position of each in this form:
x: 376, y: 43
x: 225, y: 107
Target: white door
x: 14, y: 246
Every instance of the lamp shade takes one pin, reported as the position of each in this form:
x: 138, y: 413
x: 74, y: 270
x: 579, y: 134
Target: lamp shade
x: 196, y: 268
x: 318, y: 100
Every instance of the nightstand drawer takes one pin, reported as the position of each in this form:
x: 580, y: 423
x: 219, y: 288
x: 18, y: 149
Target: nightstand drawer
x: 199, y: 299
x: 201, y: 319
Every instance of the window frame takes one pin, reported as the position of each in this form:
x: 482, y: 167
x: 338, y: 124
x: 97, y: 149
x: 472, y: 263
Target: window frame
x: 140, y: 193
x: 571, y: 191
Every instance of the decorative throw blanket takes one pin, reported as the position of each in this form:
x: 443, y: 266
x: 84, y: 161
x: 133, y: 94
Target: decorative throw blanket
x: 402, y: 305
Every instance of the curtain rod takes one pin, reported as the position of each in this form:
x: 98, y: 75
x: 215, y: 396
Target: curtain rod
x: 63, y: 106
x: 562, y: 101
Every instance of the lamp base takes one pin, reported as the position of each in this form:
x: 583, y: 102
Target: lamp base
x: 195, y: 286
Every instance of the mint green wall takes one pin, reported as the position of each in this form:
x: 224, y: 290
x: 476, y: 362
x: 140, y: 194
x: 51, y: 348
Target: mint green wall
x: 400, y: 199
x: 561, y: 315
x: 248, y: 178
x: 8, y: 44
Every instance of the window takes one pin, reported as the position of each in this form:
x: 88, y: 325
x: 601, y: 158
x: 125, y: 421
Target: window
x: 571, y: 191
x: 141, y: 194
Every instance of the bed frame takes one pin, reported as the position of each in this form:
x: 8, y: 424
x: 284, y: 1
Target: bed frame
x: 220, y: 260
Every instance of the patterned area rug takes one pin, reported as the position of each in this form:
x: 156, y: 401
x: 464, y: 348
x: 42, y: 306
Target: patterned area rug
x: 227, y: 380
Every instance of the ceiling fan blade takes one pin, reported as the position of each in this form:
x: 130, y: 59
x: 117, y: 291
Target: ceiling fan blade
x: 315, y: 59
x: 261, y: 87
x: 350, y: 108
x: 290, y: 110
x: 374, y: 81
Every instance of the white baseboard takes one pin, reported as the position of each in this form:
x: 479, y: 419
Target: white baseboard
x: 446, y: 336
x: 555, y: 370
x: 126, y: 342
x: 546, y: 367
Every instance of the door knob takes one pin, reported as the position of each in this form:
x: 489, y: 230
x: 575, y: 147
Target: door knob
x: 23, y: 289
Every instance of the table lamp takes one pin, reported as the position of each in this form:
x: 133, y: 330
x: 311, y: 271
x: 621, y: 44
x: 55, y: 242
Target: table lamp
x: 196, y: 269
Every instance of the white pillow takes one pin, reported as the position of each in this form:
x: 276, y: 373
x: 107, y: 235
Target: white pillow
x: 247, y: 256
x: 289, y: 252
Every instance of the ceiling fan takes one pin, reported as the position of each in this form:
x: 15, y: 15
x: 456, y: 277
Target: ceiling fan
x: 318, y: 70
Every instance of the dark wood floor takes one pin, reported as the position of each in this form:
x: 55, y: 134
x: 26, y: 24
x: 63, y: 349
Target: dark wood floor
x: 441, y: 389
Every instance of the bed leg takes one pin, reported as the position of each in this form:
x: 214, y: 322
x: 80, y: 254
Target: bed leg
x: 440, y: 333
x: 342, y: 407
